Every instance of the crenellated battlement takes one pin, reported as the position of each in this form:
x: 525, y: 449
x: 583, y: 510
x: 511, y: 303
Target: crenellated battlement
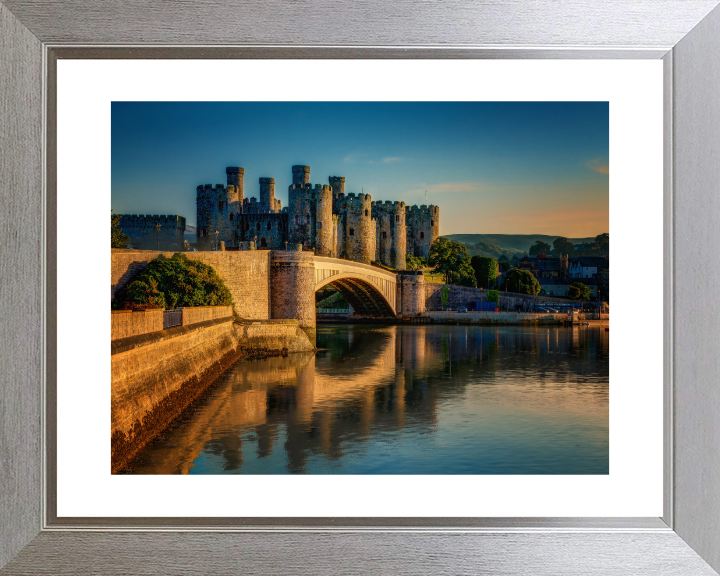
x: 424, y: 209
x: 320, y: 217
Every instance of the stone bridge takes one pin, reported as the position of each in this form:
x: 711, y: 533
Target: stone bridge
x: 281, y: 284
x: 370, y: 290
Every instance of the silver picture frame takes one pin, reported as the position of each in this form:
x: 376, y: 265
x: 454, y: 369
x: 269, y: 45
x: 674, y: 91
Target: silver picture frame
x: 685, y: 34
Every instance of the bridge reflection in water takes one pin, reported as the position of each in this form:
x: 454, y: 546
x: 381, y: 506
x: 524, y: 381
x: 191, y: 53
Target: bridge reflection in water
x: 405, y: 399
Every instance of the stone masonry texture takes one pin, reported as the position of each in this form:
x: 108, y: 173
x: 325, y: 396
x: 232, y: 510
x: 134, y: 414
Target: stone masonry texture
x: 245, y: 273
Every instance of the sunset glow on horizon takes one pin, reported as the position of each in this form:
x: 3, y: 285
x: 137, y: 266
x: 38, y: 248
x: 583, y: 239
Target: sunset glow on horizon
x: 492, y: 167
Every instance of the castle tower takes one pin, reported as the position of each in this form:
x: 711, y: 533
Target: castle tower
x: 338, y: 184
x: 391, y: 233
x: 235, y: 179
x: 423, y: 225
x: 267, y: 194
x: 358, y: 244
x: 301, y: 175
x: 323, y: 220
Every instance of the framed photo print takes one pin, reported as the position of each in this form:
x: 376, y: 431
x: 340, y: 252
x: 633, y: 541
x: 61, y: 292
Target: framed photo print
x: 360, y: 289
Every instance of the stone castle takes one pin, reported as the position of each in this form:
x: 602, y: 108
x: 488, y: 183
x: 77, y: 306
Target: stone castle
x: 320, y: 217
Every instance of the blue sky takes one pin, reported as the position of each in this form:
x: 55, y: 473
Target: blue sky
x: 492, y: 167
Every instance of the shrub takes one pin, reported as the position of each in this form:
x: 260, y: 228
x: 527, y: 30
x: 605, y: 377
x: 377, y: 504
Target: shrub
x: 492, y: 296
x: 172, y: 283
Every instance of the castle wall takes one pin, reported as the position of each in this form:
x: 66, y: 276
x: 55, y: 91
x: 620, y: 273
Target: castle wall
x: 245, y: 273
x: 270, y: 230
x: 300, y: 215
x: 143, y: 233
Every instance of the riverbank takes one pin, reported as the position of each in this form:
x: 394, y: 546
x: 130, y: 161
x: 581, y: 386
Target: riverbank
x: 479, y: 318
x: 157, y: 376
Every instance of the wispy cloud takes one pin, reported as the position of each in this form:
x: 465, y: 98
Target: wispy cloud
x: 367, y: 158
x: 599, y: 165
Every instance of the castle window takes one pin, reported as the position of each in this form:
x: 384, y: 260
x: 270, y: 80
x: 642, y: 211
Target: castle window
x: 366, y: 212
x: 269, y: 226
x: 232, y: 217
x: 352, y: 232
x: 204, y: 232
x: 319, y: 225
x: 432, y: 222
x: 221, y: 205
x: 384, y: 234
x: 302, y: 206
x: 422, y: 235
x: 397, y: 218
x: 257, y: 226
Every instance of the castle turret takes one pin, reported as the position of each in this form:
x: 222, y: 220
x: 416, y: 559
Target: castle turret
x: 235, y: 178
x: 301, y: 175
x: 267, y: 194
x: 338, y: 184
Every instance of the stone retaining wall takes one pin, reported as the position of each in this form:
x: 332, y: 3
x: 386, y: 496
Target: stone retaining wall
x: 126, y: 323
x: 195, y: 314
x: 462, y: 296
x: 495, y: 318
x: 155, y: 377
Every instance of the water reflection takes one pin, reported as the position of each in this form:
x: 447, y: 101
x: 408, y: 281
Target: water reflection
x: 405, y: 400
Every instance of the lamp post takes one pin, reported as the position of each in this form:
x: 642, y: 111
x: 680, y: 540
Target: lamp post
x: 157, y: 234
x: 216, y: 239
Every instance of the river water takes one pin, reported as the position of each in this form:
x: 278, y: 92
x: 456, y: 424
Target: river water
x: 429, y: 399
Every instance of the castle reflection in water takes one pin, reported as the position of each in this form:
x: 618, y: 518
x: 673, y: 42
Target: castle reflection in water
x: 405, y: 400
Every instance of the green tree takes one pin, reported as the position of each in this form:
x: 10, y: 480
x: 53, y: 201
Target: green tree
x: 602, y: 241
x: 579, y: 291
x: 486, y: 270
x: 452, y: 260
x: 445, y: 296
x: 492, y: 296
x: 415, y: 262
x: 173, y: 282
x: 521, y: 281
x: 538, y: 247
x: 562, y: 245
x: 117, y: 238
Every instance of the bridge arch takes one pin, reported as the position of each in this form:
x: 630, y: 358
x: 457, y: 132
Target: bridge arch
x: 370, y: 290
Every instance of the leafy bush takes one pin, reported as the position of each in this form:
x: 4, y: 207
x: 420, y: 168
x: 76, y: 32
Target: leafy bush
x: 492, y: 296
x: 172, y: 283
x: 579, y: 291
x: 521, y: 281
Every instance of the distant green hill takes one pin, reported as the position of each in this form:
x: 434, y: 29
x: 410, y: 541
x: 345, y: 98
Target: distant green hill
x: 495, y: 245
